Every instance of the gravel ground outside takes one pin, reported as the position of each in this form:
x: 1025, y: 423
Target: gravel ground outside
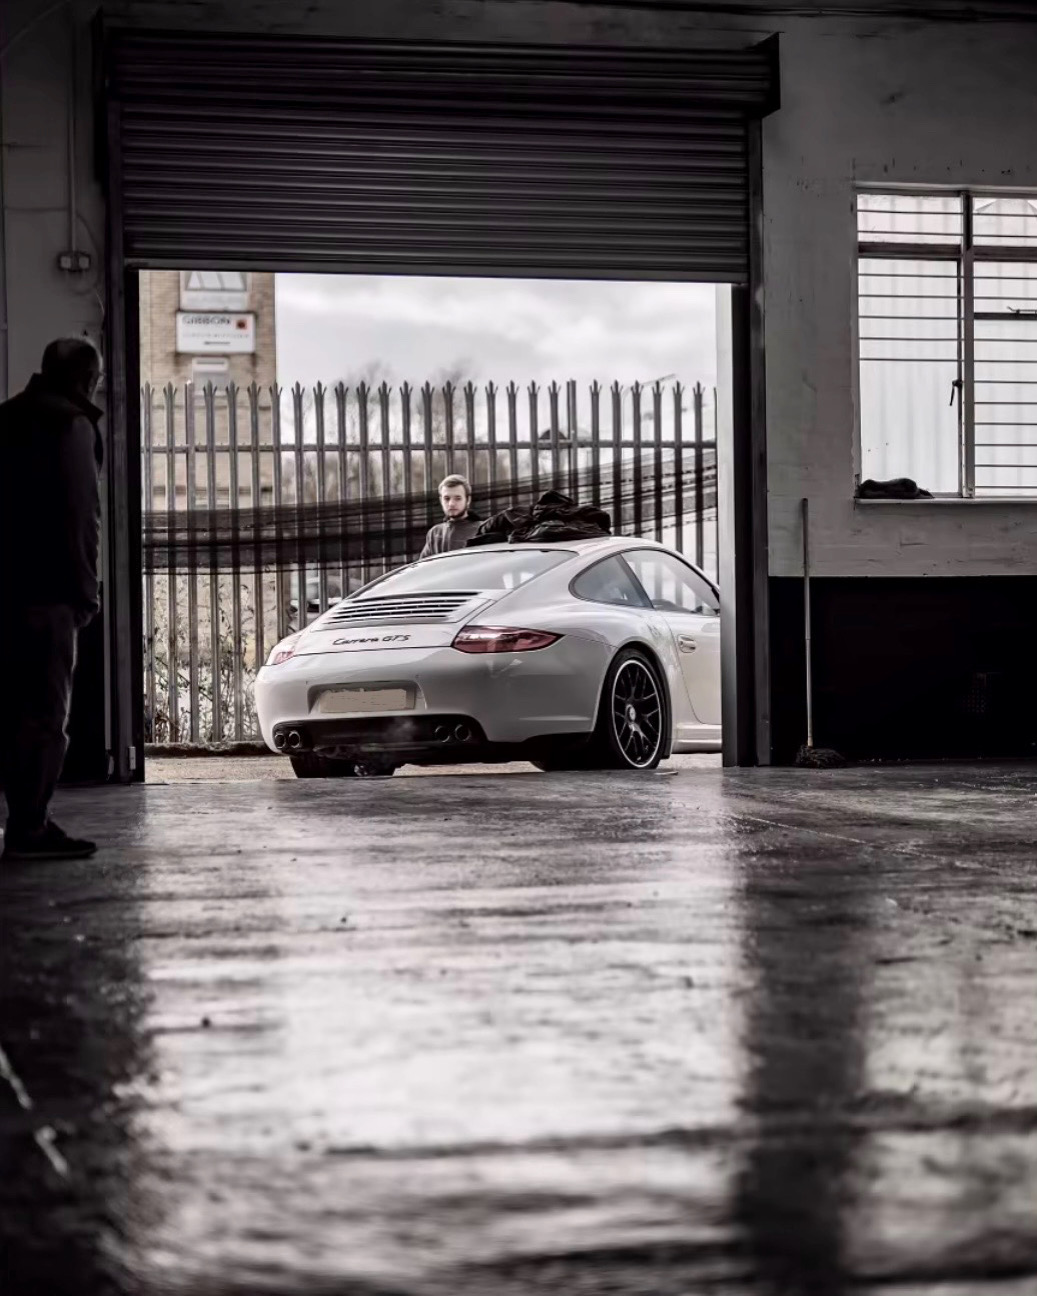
x: 248, y: 769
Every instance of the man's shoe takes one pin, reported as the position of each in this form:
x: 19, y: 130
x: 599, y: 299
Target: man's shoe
x: 48, y: 843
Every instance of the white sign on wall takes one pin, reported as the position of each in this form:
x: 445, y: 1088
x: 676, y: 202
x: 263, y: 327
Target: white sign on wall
x: 202, y: 332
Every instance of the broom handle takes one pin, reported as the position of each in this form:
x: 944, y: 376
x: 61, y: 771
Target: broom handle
x: 806, y: 622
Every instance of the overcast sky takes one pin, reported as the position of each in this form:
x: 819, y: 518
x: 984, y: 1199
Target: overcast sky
x: 332, y: 327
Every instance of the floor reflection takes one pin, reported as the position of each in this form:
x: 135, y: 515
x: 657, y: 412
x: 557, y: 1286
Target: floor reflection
x: 807, y: 938
x: 73, y: 1004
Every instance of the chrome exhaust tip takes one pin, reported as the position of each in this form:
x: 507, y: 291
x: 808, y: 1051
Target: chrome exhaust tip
x: 462, y: 733
x: 279, y: 741
x: 441, y: 733
x: 295, y: 740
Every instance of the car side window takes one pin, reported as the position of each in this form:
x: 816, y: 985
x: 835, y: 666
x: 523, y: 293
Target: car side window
x: 609, y: 581
x: 671, y: 585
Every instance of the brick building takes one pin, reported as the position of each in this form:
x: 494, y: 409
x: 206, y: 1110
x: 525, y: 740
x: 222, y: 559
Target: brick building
x: 189, y: 300
x: 199, y: 327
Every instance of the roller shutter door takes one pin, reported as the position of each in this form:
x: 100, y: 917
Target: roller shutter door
x: 376, y: 157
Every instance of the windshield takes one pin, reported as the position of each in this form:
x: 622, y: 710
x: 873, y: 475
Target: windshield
x: 486, y: 570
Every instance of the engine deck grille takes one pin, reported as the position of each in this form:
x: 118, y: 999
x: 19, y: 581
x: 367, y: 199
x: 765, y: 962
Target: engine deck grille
x: 402, y: 609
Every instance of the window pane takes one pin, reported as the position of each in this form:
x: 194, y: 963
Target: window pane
x: 670, y: 584
x: 469, y: 571
x: 1005, y: 222
x: 1006, y: 378
x: 216, y: 280
x: 909, y: 218
x: 909, y: 362
x: 609, y: 582
x: 215, y: 290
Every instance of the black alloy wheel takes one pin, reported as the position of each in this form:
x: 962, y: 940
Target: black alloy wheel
x: 632, y: 724
x: 632, y: 720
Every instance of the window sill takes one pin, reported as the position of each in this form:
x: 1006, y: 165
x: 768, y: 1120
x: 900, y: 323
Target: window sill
x: 947, y: 499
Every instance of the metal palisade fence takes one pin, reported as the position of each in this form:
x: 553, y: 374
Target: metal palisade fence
x: 264, y: 506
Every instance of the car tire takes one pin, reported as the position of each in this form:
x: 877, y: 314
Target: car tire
x: 633, y: 715
x: 309, y: 765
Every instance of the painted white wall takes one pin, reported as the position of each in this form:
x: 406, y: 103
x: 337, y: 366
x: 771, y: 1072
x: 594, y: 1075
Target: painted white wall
x: 877, y: 101
x: 942, y: 104
x: 36, y: 84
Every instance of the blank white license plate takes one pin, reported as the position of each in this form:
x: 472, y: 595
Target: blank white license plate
x: 349, y: 701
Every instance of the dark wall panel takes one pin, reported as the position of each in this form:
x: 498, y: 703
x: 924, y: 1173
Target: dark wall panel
x: 908, y: 668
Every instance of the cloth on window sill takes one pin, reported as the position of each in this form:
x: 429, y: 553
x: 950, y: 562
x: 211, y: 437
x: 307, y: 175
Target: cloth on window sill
x: 554, y: 518
x: 896, y: 488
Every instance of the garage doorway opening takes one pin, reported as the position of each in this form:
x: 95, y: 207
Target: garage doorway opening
x: 233, y: 152
x: 295, y: 427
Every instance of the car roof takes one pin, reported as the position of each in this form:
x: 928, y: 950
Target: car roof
x: 583, y: 548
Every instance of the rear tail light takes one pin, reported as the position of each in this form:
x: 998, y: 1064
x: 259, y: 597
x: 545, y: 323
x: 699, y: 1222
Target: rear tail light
x: 283, y: 651
x: 501, y: 639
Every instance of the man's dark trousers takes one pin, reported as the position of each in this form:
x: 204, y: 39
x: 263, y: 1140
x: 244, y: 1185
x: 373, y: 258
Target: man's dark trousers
x: 37, y: 662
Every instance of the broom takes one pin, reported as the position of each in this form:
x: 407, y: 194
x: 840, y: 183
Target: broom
x: 809, y: 756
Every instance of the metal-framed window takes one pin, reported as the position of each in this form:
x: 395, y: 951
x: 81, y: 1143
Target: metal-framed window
x: 947, y: 329
x: 215, y: 290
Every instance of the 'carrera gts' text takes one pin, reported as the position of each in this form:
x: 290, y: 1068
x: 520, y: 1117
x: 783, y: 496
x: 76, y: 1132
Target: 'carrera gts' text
x: 372, y: 639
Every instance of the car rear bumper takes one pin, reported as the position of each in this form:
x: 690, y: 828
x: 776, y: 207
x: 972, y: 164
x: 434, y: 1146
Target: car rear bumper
x: 415, y: 740
x: 504, y: 698
x: 402, y: 734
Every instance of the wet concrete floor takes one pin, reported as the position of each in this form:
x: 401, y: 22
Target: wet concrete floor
x: 747, y: 1032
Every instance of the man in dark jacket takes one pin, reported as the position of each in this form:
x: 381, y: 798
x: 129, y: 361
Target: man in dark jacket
x: 50, y: 461
x: 455, y: 495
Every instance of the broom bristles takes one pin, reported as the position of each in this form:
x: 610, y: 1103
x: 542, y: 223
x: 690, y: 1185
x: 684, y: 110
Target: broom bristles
x: 819, y: 758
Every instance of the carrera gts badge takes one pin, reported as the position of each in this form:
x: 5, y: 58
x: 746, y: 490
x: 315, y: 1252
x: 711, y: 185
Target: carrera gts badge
x: 372, y: 639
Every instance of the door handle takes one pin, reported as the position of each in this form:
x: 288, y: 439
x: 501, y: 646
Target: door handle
x: 686, y: 644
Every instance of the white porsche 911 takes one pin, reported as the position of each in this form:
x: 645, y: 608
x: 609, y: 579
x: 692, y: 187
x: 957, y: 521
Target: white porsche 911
x: 595, y: 654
